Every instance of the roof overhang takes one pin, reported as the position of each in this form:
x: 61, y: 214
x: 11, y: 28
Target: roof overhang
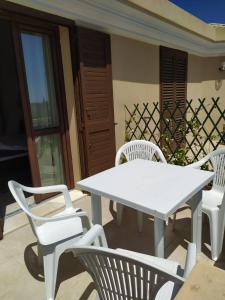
x: 121, y: 18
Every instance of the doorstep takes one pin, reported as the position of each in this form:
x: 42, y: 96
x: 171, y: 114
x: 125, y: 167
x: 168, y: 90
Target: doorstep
x: 48, y: 207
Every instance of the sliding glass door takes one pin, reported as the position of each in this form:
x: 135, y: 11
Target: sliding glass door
x: 38, y: 57
x: 43, y: 104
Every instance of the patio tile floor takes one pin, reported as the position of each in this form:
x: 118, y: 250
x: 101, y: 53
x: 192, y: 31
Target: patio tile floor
x: 20, y: 276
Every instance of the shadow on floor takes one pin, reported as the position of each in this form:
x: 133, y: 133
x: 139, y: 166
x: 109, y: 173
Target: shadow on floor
x: 68, y: 267
x: 17, y: 169
x: 31, y: 262
x: 127, y: 236
x: 124, y: 236
x: 221, y: 261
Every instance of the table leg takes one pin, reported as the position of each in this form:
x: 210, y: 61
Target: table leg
x: 96, y: 208
x: 196, y: 207
x: 159, y: 232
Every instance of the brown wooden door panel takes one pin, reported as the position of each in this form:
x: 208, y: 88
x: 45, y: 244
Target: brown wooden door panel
x: 100, y: 151
x: 97, y: 116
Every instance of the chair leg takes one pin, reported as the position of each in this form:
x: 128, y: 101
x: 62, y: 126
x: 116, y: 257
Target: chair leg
x: 119, y: 208
x: 214, y: 236
x: 140, y: 221
x: 174, y: 221
x: 51, y: 258
x: 103, y: 240
x: 97, y: 242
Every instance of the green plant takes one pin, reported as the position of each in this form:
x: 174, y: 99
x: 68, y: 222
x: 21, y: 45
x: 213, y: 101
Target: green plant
x: 185, y: 136
x: 180, y: 153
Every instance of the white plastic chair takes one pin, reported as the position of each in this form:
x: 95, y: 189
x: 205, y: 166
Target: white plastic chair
x: 213, y: 201
x: 123, y: 274
x: 138, y: 149
x: 57, y: 233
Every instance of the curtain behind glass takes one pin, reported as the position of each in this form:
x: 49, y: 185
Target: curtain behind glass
x: 49, y: 156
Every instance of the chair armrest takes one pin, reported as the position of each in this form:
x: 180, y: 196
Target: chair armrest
x: 45, y: 189
x: 61, y: 188
x: 117, y: 159
x: 198, y: 164
x: 66, y: 214
x: 90, y: 236
x: 190, y: 259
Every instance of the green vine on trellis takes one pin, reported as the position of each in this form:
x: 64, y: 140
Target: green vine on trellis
x: 193, y: 128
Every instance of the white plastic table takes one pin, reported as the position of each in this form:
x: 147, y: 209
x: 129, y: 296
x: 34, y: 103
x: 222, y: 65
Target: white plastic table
x: 153, y: 188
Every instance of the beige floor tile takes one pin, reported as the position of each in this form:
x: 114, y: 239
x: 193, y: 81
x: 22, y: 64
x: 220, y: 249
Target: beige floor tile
x: 21, y: 278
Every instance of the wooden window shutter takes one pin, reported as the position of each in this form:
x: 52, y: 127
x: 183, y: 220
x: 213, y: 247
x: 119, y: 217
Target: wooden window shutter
x: 173, y: 91
x: 96, y: 100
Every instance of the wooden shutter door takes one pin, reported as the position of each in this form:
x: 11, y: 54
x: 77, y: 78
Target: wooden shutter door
x: 173, y: 92
x: 96, y: 115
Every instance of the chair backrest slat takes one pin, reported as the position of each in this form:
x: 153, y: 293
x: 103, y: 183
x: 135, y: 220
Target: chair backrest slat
x: 140, y: 149
x: 218, y: 161
x: 120, y: 277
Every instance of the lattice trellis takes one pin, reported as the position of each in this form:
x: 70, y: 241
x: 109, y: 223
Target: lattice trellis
x: 185, y: 135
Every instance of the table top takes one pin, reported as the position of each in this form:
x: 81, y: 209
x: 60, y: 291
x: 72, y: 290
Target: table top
x: 151, y: 187
x: 205, y: 282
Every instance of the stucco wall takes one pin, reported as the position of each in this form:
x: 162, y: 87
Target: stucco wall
x: 70, y: 100
x: 135, y: 73
x: 204, y: 78
x: 213, y: 80
x: 206, y: 81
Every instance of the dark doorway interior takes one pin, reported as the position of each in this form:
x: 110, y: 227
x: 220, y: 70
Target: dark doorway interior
x: 14, y: 162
